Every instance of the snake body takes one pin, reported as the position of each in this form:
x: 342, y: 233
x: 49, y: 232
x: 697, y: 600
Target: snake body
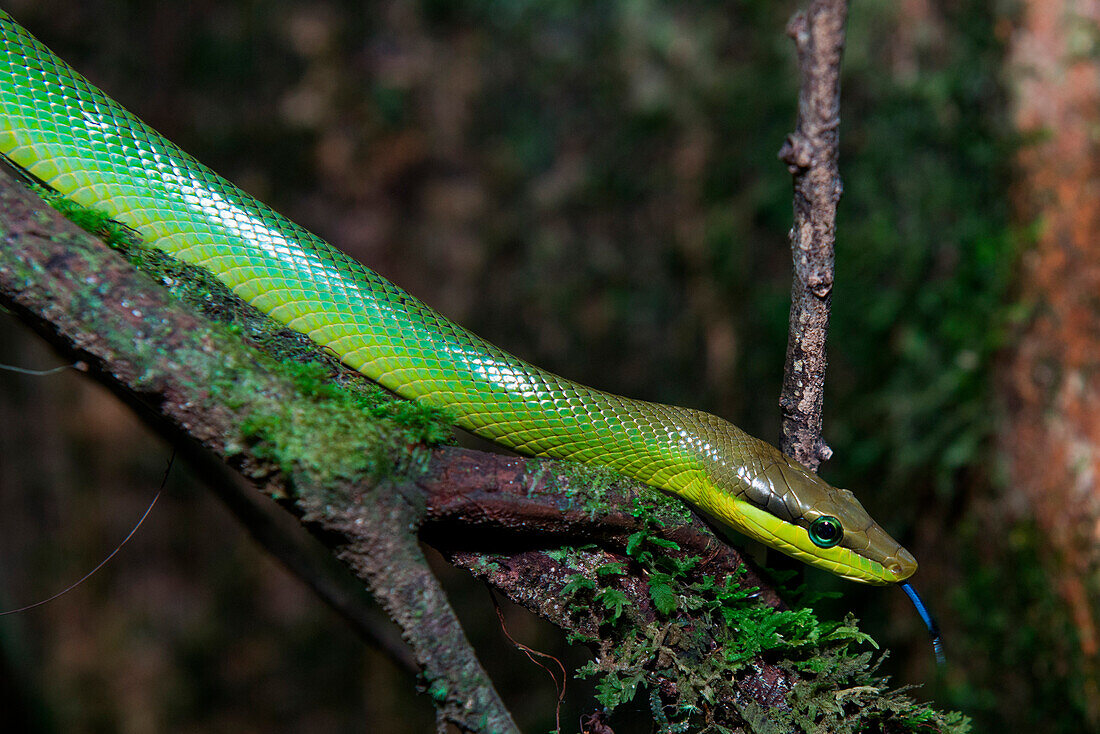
x: 65, y: 131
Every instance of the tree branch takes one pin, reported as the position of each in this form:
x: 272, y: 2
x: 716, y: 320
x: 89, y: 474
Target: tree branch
x: 666, y: 606
x: 302, y: 555
x: 811, y: 154
x: 203, y: 385
x: 198, y: 383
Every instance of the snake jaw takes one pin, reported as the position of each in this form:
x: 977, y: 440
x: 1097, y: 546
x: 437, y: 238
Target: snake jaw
x: 843, y: 561
x: 757, y: 490
x: 783, y: 500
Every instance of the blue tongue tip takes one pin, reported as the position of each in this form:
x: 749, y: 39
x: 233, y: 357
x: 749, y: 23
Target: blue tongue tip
x: 929, y: 622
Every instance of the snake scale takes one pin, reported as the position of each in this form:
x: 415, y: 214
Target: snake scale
x: 69, y: 134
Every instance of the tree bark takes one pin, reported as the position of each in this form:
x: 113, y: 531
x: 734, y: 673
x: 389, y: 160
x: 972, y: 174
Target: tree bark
x: 1052, y: 375
x: 811, y: 153
x: 201, y: 387
x: 209, y: 390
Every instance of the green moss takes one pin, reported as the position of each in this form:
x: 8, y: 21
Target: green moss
x: 724, y: 628
x: 90, y: 220
x: 484, y: 566
x: 584, y: 486
x: 366, y: 432
x: 438, y: 691
x: 587, y: 487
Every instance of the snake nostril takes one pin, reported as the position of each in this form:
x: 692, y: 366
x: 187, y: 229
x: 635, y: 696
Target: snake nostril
x: 894, y: 569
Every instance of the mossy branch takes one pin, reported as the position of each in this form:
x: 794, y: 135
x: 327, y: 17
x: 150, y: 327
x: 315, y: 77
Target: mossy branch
x: 200, y: 381
x: 669, y: 609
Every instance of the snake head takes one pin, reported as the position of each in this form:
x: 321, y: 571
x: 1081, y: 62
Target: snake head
x: 756, y: 489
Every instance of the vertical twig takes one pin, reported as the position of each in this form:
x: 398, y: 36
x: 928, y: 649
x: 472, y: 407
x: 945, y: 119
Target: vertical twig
x: 810, y: 153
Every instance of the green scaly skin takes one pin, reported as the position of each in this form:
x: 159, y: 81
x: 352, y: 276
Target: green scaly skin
x: 63, y: 130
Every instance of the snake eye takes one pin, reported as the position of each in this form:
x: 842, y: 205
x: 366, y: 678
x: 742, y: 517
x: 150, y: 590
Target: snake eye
x: 825, y: 531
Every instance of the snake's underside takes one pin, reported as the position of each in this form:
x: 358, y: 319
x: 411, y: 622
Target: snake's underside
x: 60, y: 128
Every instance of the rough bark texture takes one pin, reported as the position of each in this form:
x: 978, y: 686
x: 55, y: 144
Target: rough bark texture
x: 201, y: 386
x: 1053, y: 372
x: 91, y: 303
x: 811, y: 154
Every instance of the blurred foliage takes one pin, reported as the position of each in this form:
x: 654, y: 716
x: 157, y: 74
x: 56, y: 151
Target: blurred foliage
x: 927, y: 243
x: 1032, y: 675
x: 595, y: 187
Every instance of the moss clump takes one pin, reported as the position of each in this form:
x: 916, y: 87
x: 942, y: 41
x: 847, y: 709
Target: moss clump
x: 317, y: 380
x: 367, y: 432
x: 703, y: 631
x: 90, y: 220
x: 588, y: 486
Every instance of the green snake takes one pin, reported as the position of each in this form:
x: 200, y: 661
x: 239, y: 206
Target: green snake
x: 60, y: 128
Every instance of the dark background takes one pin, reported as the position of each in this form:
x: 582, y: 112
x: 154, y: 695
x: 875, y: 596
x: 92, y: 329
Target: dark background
x: 595, y: 187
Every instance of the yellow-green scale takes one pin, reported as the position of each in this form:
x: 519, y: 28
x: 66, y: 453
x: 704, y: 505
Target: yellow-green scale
x: 56, y: 125
x: 72, y: 136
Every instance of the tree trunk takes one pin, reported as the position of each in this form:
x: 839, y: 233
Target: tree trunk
x: 1052, y: 389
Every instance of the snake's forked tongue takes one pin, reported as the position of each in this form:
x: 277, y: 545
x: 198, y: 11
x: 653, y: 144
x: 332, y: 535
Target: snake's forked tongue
x: 929, y: 621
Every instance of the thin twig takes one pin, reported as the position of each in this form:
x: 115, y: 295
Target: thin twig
x: 487, y: 513
x: 810, y: 153
x: 492, y: 515
x: 534, y: 655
